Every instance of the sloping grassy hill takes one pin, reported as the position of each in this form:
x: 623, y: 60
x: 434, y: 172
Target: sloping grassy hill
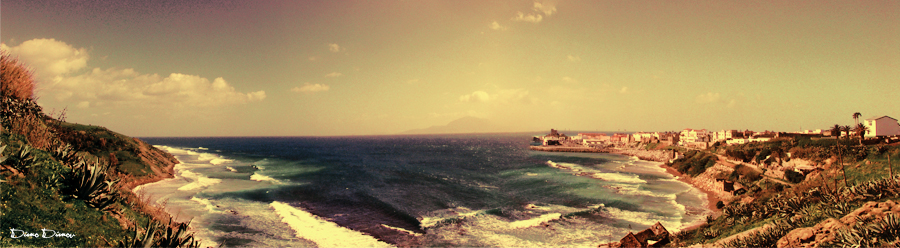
x: 815, y: 208
x: 65, y: 184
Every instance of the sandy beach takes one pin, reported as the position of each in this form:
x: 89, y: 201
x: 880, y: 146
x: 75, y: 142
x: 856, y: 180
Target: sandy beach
x: 711, y: 196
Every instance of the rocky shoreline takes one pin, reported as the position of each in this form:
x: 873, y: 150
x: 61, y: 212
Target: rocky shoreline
x: 703, y: 183
x: 648, y: 155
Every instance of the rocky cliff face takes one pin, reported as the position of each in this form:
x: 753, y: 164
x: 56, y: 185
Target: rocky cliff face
x: 161, y: 163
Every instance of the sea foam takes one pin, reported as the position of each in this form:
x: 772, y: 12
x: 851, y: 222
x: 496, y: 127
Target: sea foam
x: 535, y: 221
x: 218, y: 161
x: 199, y: 181
x: 322, y: 232
x: 262, y: 178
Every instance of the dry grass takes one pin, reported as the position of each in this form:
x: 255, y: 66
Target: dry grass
x: 34, y: 130
x: 18, y: 84
x: 17, y: 80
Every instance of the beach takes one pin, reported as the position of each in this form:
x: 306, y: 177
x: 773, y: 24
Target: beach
x: 492, y: 184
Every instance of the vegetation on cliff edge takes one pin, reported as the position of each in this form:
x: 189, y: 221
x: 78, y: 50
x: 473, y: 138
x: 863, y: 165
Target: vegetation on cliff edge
x: 73, y: 180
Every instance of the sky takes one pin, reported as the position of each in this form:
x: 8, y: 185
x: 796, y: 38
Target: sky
x: 333, y: 68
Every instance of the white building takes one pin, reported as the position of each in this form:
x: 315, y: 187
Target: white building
x: 644, y: 136
x: 724, y: 135
x: 817, y: 131
x: 882, y: 126
x: 736, y: 141
x: 693, y: 135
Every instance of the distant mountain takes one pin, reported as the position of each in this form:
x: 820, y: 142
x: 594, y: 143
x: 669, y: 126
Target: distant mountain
x: 466, y: 124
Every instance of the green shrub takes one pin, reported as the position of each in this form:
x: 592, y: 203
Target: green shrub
x: 89, y: 183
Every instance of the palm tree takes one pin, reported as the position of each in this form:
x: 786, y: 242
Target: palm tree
x: 836, y: 131
x: 861, y: 130
x: 847, y: 130
x: 856, y: 117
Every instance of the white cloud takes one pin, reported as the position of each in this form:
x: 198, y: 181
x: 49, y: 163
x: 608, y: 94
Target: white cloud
x: 540, y: 10
x: 546, y: 8
x: 310, y: 88
x: 623, y: 90
x: 573, y: 58
x: 125, y: 86
x: 709, y: 97
x: 496, y: 26
x: 50, y: 58
x: 505, y: 96
x: 479, y: 96
x: 334, y: 48
x: 522, y: 17
x: 120, y: 87
x: 334, y: 74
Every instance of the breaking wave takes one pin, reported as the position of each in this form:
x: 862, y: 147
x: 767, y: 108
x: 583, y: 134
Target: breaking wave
x: 324, y: 233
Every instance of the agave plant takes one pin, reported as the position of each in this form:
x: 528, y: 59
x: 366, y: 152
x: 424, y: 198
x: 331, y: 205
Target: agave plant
x: 861, y: 237
x: 159, y: 235
x: 20, y: 161
x: 138, y: 240
x: 176, y: 235
x: 65, y: 154
x: 888, y: 229
x: 88, y: 182
x: 838, y: 210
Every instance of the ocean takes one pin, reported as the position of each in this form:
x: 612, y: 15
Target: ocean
x: 426, y: 190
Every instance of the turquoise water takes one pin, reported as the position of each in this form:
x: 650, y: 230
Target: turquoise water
x: 447, y: 190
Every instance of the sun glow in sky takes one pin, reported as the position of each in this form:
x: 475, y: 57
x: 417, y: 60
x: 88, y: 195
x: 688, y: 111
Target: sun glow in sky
x: 284, y: 68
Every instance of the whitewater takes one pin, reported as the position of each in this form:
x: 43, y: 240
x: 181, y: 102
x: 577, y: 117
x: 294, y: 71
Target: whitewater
x: 462, y: 190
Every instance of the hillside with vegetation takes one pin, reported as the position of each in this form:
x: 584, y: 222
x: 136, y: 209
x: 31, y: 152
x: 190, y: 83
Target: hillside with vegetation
x: 799, y: 192
x: 74, y: 179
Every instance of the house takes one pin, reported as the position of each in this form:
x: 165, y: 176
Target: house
x: 668, y: 138
x: 554, y: 138
x: 694, y: 138
x: 724, y: 135
x: 817, y: 131
x: 645, y: 137
x: 693, y: 135
x: 736, y: 141
x: 599, y: 136
x: 882, y: 126
x: 620, y: 138
x: 593, y: 139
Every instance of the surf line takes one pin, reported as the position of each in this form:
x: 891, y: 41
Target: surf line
x: 324, y: 233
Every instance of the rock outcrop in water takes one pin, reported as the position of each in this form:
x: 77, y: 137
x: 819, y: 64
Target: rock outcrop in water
x: 655, y: 233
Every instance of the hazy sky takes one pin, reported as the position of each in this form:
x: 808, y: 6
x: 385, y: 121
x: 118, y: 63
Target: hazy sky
x: 263, y: 68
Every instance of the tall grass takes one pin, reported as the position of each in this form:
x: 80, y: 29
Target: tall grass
x: 21, y: 114
x: 18, y: 80
x: 34, y: 129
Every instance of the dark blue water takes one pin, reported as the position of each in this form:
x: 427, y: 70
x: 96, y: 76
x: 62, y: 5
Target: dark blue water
x: 457, y: 190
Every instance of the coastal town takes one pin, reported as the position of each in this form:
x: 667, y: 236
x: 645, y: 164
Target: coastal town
x: 875, y: 128
x: 743, y: 172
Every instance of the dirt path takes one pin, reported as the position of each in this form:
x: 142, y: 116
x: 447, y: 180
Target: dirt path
x: 724, y: 161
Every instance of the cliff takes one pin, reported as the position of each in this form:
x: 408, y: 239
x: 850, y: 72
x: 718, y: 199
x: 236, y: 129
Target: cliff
x: 138, y: 161
x: 65, y: 184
